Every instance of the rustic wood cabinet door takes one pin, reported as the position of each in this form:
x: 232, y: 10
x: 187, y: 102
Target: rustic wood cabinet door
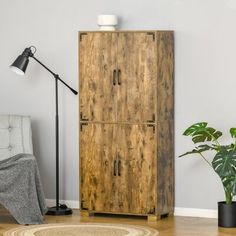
x: 136, y: 169
x: 97, y: 165
x: 97, y: 60
x: 137, y: 73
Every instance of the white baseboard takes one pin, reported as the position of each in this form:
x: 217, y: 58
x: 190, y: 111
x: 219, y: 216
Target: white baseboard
x: 195, y: 212
x: 179, y: 211
x: 70, y: 204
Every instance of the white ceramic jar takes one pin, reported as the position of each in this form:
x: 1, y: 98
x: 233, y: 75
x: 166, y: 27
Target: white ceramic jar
x: 107, y: 22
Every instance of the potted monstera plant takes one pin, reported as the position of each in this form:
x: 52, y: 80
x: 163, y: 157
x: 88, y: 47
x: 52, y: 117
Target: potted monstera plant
x: 223, y: 162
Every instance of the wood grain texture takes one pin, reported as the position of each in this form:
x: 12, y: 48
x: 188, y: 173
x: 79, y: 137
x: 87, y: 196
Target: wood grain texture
x: 97, y: 155
x: 136, y: 62
x: 165, y: 167
x: 96, y: 64
x: 137, y: 180
x: 165, y: 76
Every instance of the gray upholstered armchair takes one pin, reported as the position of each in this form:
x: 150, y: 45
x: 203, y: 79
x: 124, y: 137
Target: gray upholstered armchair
x: 15, y: 136
x: 20, y: 186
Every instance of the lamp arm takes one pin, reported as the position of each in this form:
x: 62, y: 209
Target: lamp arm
x: 56, y: 76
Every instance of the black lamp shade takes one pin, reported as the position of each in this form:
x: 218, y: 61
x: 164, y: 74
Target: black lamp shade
x: 20, y: 64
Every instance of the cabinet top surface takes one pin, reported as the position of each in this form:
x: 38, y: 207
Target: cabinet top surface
x: 124, y: 31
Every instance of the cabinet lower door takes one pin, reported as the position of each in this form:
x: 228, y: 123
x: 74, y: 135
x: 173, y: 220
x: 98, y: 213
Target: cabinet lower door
x: 136, y: 169
x: 97, y: 167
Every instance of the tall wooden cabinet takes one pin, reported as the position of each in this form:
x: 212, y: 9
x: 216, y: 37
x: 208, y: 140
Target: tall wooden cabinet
x: 126, y: 122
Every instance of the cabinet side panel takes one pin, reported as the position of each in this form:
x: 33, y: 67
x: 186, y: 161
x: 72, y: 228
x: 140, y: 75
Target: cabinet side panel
x: 165, y: 167
x: 165, y: 76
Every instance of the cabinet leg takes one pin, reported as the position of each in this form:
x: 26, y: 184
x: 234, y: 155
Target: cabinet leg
x: 86, y: 213
x: 171, y: 213
x: 154, y: 217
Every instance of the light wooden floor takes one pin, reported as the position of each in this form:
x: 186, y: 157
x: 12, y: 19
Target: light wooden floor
x: 180, y: 226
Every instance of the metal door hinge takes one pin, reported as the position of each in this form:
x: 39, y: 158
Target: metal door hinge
x: 153, y: 35
x: 81, y: 36
x: 81, y: 126
x: 153, y: 119
x: 83, y: 205
x: 82, y: 117
x: 152, y: 210
x: 153, y: 128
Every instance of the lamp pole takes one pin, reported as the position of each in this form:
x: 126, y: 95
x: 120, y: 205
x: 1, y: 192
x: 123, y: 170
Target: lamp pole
x: 58, y: 209
x: 57, y: 146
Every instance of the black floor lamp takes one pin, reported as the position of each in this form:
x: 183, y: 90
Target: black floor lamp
x: 19, y: 66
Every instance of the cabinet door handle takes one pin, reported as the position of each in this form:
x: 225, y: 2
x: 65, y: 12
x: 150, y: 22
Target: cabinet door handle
x: 114, y: 168
x: 119, y: 165
x: 119, y: 78
x: 114, y: 77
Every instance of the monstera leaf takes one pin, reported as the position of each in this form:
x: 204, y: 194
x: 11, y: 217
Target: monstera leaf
x: 201, y: 133
x: 199, y: 149
x: 224, y: 163
x: 233, y: 132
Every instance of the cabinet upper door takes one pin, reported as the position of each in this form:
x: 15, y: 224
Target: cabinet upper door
x: 136, y: 169
x: 137, y: 73
x: 97, y: 167
x: 97, y: 63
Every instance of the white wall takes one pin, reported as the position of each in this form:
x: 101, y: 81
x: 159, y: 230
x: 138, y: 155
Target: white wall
x: 205, y: 80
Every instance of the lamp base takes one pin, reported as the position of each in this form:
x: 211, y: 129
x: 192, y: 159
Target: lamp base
x: 61, y: 210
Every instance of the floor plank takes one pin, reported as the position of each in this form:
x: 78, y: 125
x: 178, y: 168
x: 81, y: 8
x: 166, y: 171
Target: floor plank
x: 170, y: 226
